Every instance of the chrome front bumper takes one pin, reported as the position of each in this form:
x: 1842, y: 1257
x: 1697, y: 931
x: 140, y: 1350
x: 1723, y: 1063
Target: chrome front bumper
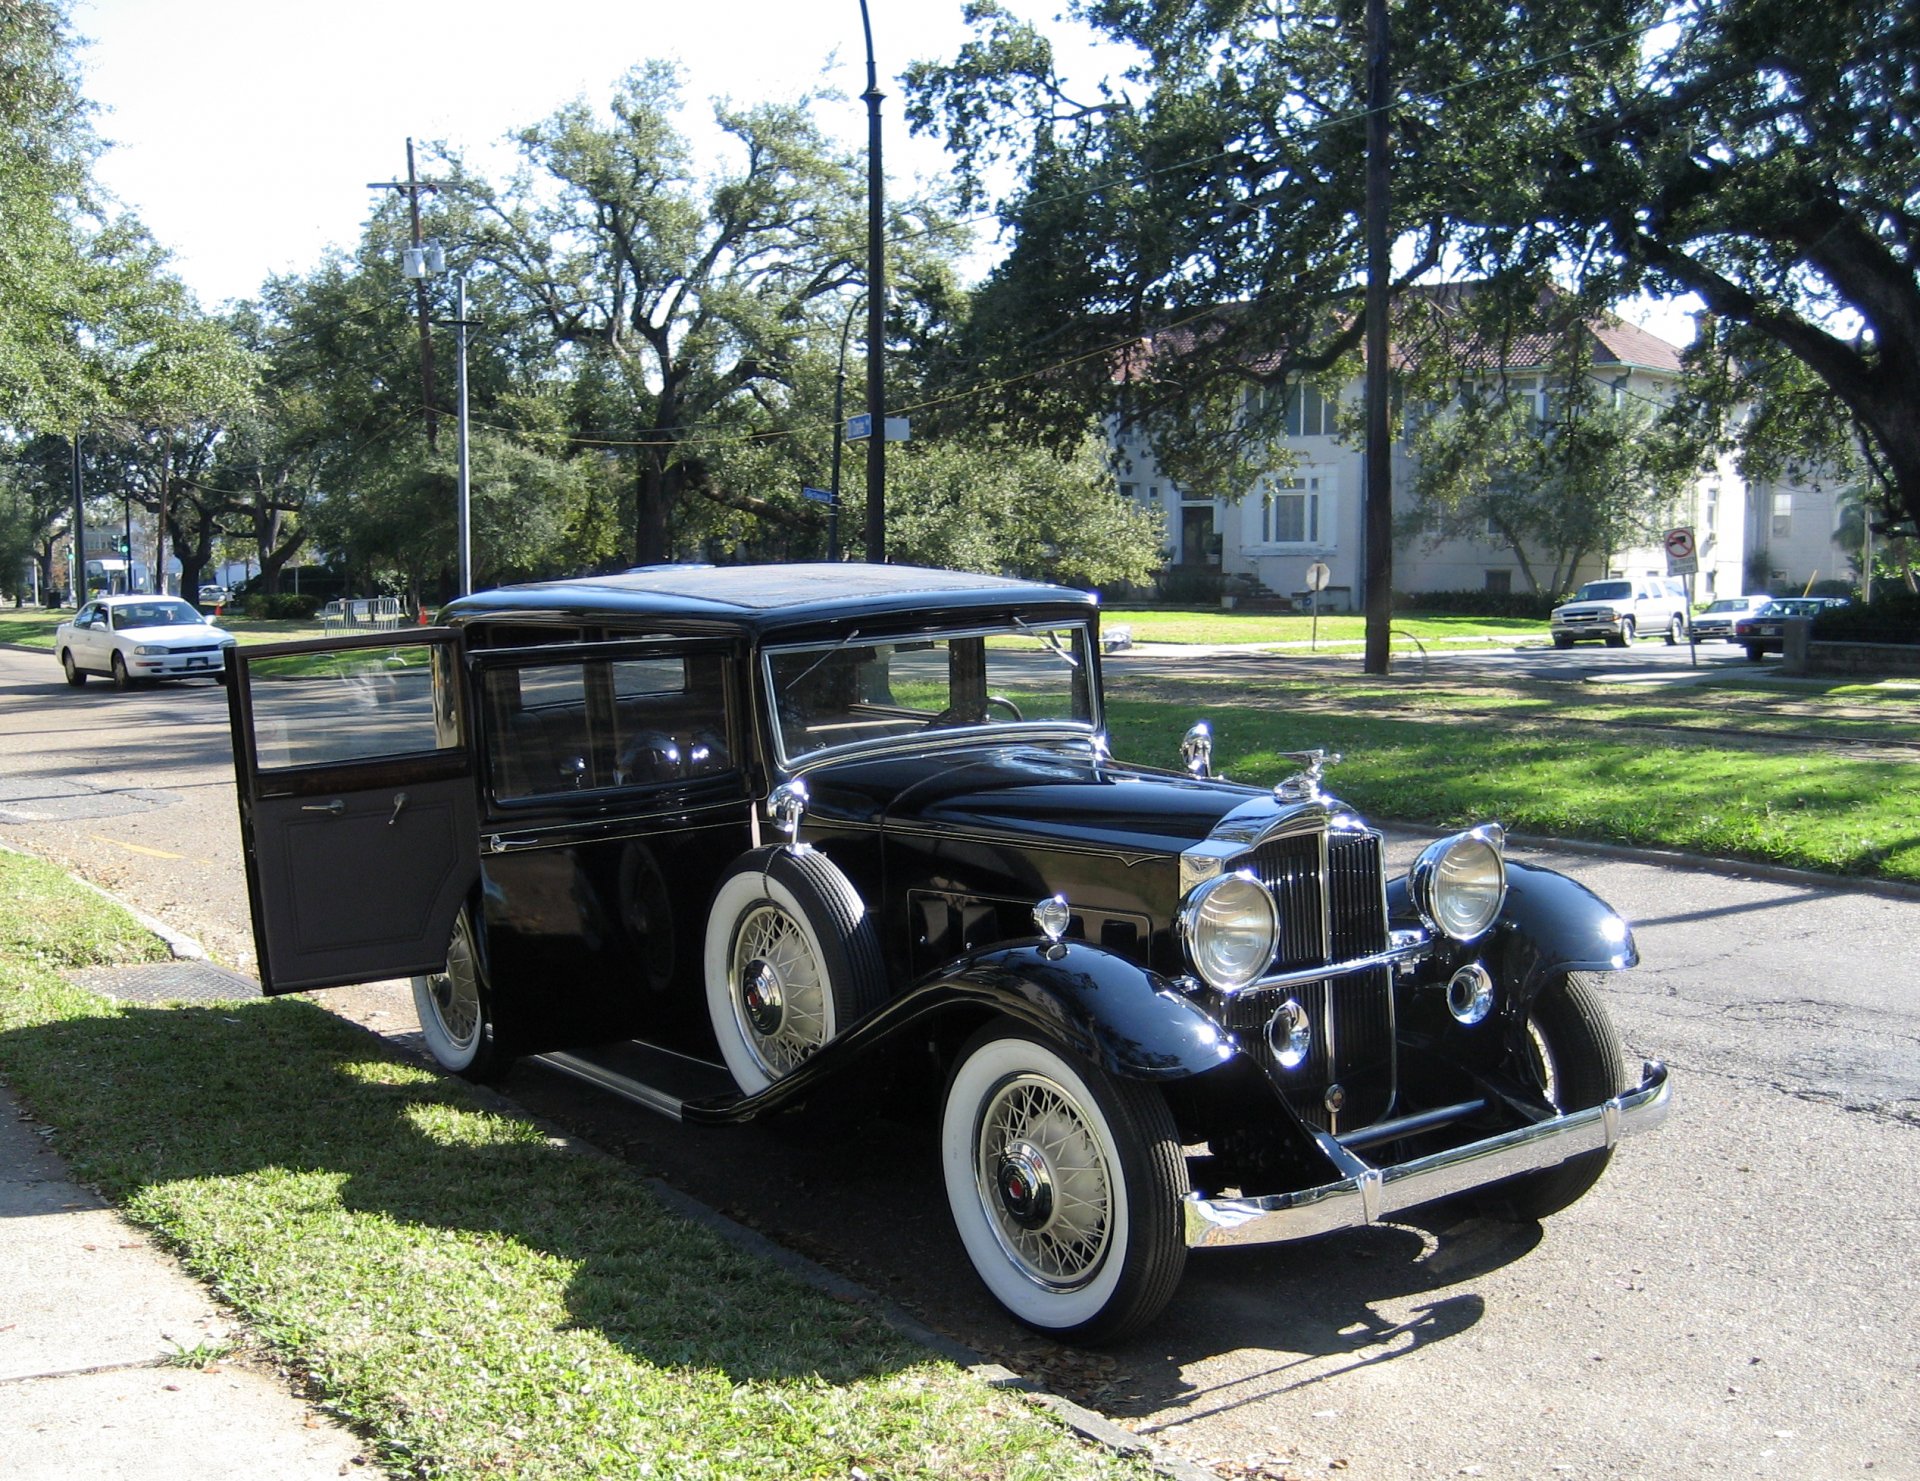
x: 1367, y: 1194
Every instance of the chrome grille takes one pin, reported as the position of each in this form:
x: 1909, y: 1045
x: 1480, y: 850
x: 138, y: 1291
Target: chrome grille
x: 1329, y: 889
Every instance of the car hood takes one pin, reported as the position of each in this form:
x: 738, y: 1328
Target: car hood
x: 1047, y: 794
x: 1592, y: 608
x: 173, y: 632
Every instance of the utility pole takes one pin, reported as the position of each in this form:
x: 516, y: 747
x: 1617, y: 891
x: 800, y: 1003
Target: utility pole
x: 415, y: 188
x: 1378, y: 514
x: 876, y: 313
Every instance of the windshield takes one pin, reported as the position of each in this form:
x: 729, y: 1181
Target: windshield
x: 1728, y: 604
x: 866, y: 688
x: 152, y: 614
x: 1605, y: 591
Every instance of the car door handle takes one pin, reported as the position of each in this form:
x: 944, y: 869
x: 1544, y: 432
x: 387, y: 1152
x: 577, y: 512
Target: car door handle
x: 336, y: 807
x: 399, y: 802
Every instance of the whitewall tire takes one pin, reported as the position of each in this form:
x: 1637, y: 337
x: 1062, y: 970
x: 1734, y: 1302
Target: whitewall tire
x: 1065, y: 1185
x: 792, y: 958
x: 455, y: 1007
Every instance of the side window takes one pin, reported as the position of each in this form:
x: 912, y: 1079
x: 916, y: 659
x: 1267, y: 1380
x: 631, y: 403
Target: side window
x: 541, y: 740
x: 591, y: 723
x: 669, y: 719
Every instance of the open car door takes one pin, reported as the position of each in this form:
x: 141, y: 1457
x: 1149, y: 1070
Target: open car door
x: 358, y: 813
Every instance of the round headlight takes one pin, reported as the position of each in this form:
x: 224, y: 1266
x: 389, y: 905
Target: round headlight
x: 1459, y: 884
x: 1230, y: 929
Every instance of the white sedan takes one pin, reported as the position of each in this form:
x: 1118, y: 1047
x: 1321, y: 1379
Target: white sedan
x: 141, y: 637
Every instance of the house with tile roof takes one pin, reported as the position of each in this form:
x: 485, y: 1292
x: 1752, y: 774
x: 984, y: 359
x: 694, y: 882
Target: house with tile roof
x: 1747, y: 535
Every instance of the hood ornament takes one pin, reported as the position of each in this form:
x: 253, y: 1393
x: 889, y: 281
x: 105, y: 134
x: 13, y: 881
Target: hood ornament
x: 1196, y: 750
x: 1304, y: 785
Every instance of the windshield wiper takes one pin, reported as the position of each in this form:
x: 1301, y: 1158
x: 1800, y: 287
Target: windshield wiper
x: 841, y: 646
x: 1051, y: 641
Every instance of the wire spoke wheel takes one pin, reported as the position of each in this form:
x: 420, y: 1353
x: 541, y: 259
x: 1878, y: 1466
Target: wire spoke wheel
x: 780, y: 989
x: 1045, y: 1182
x: 456, y: 991
x: 455, y: 1008
x: 1065, y: 1184
x: 791, y: 959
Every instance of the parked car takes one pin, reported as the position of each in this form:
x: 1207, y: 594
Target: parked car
x: 215, y: 596
x: 1715, y: 621
x: 721, y: 840
x: 1619, y: 609
x: 132, y: 638
x: 1765, y: 631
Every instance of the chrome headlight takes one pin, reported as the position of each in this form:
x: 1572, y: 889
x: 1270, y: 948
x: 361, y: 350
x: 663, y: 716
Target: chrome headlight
x: 1230, y: 929
x: 148, y: 650
x: 1459, y: 884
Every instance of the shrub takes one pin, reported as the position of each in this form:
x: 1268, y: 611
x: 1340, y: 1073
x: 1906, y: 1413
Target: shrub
x: 1192, y: 585
x: 1893, y: 616
x: 283, y: 606
x: 1477, y: 603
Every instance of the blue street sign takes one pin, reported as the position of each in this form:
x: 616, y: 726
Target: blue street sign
x: 819, y: 496
x: 859, y: 428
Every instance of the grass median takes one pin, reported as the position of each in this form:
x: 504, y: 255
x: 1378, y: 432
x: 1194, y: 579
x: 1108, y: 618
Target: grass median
x: 1622, y: 771
x: 476, y: 1299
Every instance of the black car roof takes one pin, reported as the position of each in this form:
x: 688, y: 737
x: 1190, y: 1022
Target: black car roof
x: 763, y: 596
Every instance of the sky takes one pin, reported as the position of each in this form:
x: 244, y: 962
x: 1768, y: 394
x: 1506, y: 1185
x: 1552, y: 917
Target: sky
x: 244, y: 132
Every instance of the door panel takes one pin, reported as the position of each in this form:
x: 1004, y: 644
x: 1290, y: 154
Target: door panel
x: 357, y: 804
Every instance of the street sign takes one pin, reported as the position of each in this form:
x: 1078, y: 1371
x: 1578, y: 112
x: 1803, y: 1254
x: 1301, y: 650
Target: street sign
x: 819, y: 496
x: 1682, y: 558
x: 860, y: 428
x: 1319, y: 576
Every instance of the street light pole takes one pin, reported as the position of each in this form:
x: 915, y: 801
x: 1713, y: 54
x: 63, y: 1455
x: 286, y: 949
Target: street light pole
x: 839, y: 434
x: 466, y: 493
x: 876, y: 312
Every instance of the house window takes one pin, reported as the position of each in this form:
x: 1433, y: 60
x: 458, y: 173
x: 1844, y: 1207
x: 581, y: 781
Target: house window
x: 1296, y: 511
x: 1127, y: 491
x: 1309, y: 414
x: 1782, y: 515
x: 1500, y: 582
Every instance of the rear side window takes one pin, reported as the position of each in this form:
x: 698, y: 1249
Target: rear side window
x: 594, y: 724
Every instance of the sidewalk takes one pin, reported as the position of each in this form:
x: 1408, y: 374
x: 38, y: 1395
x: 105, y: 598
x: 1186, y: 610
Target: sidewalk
x: 89, y: 1313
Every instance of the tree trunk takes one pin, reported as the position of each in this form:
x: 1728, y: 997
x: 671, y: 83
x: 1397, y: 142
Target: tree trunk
x: 650, y: 514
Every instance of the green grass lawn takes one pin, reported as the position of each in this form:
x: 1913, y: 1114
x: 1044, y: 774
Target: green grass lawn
x: 1166, y: 625
x: 1538, y: 771
x: 476, y: 1299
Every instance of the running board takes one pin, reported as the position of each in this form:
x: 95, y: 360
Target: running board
x: 646, y: 1074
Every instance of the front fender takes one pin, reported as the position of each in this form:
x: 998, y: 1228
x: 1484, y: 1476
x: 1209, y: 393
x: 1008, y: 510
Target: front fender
x: 1101, y: 1007
x: 1111, y: 1011
x: 1552, y: 924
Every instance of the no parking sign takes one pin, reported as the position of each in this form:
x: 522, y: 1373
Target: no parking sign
x: 1682, y: 558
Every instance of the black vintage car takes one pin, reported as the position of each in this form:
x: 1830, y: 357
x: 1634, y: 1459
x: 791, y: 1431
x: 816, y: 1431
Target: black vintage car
x: 718, y: 838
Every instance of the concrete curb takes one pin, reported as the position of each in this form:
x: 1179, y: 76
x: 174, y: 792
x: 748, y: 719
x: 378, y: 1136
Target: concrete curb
x: 181, y: 946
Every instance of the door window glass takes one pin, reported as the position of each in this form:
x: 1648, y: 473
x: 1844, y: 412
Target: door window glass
x: 670, y: 719
x: 358, y: 704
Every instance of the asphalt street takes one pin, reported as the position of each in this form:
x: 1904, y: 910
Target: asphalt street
x: 1737, y: 1298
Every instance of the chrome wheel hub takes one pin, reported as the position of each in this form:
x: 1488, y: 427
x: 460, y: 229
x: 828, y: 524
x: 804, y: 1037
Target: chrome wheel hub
x: 762, y: 998
x: 1025, y: 1185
